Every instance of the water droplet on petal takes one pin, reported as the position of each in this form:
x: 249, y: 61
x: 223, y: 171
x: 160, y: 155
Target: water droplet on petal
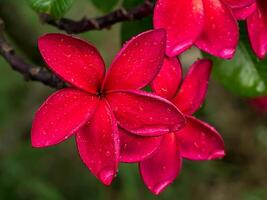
x: 218, y: 154
x: 107, y: 153
x: 106, y: 175
x: 227, y: 52
x: 160, y: 187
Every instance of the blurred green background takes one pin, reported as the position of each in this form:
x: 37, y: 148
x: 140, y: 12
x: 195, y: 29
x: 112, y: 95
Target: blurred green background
x: 57, y: 173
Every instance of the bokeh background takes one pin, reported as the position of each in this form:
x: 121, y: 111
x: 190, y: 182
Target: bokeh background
x: 57, y: 173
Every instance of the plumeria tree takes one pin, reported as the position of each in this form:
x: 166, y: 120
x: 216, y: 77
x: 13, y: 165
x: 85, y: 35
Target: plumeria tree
x: 144, y: 108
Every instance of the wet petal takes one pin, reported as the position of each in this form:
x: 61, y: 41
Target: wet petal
x: 135, y: 148
x: 239, y: 3
x: 183, y: 21
x: 163, y: 166
x: 220, y: 35
x: 167, y: 81
x: 243, y: 12
x: 194, y: 87
x: 257, y: 29
x: 138, y: 62
x: 145, y: 114
x: 98, y: 144
x: 200, y: 141
x: 74, y: 60
x: 61, y: 115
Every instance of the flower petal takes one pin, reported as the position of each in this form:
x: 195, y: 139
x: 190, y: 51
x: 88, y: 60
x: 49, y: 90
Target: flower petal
x: 200, y: 141
x: 257, y: 29
x: 74, y: 60
x: 163, y: 166
x: 262, y: 6
x: 138, y: 62
x: 194, y: 87
x: 61, y: 115
x: 135, y: 148
x: 243, y: 12
x: 239, y: 3
x: 145, y: 114
x: 98, y: 144
x: 167, y: 81
x: 183, y: 21
x: 221, y: 34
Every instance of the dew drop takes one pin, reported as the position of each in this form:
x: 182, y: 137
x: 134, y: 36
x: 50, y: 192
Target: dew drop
x: 107, y: 153
x: 106, y: 175
x: 158, y: 188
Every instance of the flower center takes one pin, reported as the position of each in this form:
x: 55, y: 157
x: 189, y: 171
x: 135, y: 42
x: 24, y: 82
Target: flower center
x: 100, y: 93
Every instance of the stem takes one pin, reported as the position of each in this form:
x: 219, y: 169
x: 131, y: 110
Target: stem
x: 70, y: 26
x: 29, y: 71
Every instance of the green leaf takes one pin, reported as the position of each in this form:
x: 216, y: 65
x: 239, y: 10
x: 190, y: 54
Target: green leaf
x: 105, y: 5
x: 132, y: 3
x: 132, y: 28
x: 244, y: 74
x: 55, y: 8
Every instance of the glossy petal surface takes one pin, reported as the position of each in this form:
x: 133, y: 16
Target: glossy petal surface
x: 134, y: 148
x: 194, y: 87
x: 61, y: 115
x: 167, y: 81
x: 98, y: 144
x: 138, y: 62
x: 243, y: 12
x: 163, y: 166
x: 183, y: 21
x: 74, y: 60
x: 257, y: 29
x: 145, y: 114
x: 220, y: 34
x: 200, y: 141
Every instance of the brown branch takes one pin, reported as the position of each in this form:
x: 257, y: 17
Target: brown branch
x: 29, y: 71
x: 120, y: 15
x: 41, y: 74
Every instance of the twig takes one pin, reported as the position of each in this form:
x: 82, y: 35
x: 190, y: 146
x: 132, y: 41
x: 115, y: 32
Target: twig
x: 70, y: 26
x: 29, y: 71
x: 41, y: 74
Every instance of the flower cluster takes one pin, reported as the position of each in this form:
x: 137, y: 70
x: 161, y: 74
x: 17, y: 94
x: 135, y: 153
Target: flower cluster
x: 114, y: 120
x: 196, y: 141
x: 211, y: 25
x: 112, y: 117
x: 208, y: 24
x: 255, y: 13
x: 97, y: 103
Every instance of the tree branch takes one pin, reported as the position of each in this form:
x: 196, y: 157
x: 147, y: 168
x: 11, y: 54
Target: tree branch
x: 29, y: 71
x: 41, y: 74
x: 120, y: 15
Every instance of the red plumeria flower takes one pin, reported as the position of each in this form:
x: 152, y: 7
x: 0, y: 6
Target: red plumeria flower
x: 162, y: 161
x: 255, y: 11
x: 97, y: 102
x: 209, y: 24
